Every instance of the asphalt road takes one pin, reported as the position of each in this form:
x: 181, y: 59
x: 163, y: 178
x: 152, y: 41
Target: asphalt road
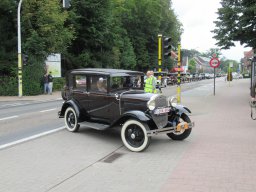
x: 25, y: 119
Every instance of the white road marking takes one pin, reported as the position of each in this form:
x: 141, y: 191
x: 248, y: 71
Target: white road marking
x: 13, y: 104
x: 30, y: 138
x: 48, y: 110
x: 11, y: 117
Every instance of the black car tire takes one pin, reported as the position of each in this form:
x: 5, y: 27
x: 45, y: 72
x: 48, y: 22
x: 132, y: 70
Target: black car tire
x: 181, y: 135
x: 71, y: 120
x: 134, y: 135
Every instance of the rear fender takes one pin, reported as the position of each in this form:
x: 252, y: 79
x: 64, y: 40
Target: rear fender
x: 69, y: 103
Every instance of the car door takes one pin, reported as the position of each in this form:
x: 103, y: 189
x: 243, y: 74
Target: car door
x: 98, y: 95
x: 80, y: 91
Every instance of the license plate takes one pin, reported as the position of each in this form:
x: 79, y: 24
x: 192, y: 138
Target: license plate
x: 161, y: 111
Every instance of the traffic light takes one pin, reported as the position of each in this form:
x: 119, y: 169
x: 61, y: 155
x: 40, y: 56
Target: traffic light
x: 66, y: 4
x: 167, y: 46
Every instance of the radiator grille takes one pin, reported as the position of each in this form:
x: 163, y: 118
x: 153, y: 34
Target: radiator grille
x: 160, y: 120
x: 161, y: 101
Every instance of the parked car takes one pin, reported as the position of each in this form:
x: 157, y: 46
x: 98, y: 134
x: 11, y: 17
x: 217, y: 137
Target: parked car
x: 110, y: 97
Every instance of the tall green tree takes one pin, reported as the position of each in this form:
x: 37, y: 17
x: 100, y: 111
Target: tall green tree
x: 44, y: 31
x: 192, y: 66
x: 144, y: 20
x: 92, y: 22
x: 224, y: 64
x: 121, y: 41
x: 236, y: 22
x: 8, y: 39
x: 43, y: 28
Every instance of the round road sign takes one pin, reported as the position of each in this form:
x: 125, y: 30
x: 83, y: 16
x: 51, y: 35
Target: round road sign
x: 214, y: 62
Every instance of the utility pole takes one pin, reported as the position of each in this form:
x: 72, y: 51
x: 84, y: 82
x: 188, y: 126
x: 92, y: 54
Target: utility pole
x: 160, y: 48
x: 178, y: 77
x: 19, y: 54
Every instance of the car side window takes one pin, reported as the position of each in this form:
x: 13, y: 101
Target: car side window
x: 98, y: 84
x: 116, y: 83
x: 125, y: 82
x: 80, y: 82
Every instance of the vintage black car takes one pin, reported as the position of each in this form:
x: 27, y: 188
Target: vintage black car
x: 104, y: 98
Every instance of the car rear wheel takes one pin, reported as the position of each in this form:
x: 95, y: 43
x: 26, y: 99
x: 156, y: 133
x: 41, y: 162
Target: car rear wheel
x: 134, y: 135
x: 71, y: 120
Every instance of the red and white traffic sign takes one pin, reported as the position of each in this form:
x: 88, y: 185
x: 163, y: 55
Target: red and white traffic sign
x: 214, y: 62
x: 214, y: 55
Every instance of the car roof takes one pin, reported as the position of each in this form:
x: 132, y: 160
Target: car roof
x: 106, y: 71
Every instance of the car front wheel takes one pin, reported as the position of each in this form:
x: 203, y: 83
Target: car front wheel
x: 134, y: 135
x: 71, y: 120
x: 184, y: 133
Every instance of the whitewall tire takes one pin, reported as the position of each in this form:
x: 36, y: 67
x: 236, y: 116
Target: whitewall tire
x: 71, y: 120
x: 134, y: 135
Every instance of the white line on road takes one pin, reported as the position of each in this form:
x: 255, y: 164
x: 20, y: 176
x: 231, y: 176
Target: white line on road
x: 11, y: 117
x: 48, y: 110
x: 12, y: 104
x: 30, y: 138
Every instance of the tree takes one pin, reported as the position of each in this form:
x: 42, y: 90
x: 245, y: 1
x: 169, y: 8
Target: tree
x: 8, y: 39
x: 224, y: 64
x: 92, y: 22
x: 236, y: 22
x: 192, y: 66
x: 44, y: 31
x: 43, y: 28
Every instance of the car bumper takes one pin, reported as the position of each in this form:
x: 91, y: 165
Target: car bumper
x: 179, y: 128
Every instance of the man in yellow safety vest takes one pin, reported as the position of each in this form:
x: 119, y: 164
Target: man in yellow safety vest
x: 150, y: 84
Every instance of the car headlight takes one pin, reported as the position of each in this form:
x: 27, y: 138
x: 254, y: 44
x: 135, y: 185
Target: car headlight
x: 151, y: 104
x: 173, y: 101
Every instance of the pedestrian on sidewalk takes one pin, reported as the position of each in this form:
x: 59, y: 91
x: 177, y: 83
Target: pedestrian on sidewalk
x: 50, y: 83
x: 46, y: 83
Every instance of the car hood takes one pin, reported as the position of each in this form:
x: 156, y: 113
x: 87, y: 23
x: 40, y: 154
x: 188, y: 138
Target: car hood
x: 136, y: 96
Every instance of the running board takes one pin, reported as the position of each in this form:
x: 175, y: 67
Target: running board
x: 97, y: 126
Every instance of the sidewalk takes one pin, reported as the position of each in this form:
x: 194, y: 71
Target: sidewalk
x: 55, y: 95
x: 222, y: 154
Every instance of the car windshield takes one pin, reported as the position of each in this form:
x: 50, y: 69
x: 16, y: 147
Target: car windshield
x: 125, y: 82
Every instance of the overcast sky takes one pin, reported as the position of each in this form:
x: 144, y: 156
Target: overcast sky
x: 197, y: 17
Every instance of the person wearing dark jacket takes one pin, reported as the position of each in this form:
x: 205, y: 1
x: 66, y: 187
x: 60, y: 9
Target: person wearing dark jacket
x: 46, y: 83
x: 50, y: 83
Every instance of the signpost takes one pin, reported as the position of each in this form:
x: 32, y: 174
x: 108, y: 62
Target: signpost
x: 53, y: 64
x: 214, y: 63
x: 179, y: 77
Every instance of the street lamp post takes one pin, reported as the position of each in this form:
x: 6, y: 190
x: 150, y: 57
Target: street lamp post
x: 19, y: 53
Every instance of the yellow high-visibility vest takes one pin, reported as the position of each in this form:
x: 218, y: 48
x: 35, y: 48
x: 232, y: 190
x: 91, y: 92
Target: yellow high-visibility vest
x: 149, y: 88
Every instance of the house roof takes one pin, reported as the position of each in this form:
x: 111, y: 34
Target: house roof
x: 248, y: 54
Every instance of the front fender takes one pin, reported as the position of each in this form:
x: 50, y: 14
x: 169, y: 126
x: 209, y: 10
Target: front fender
x: 66, y: 104
x: 182, y: 109
x: 136, y: 114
